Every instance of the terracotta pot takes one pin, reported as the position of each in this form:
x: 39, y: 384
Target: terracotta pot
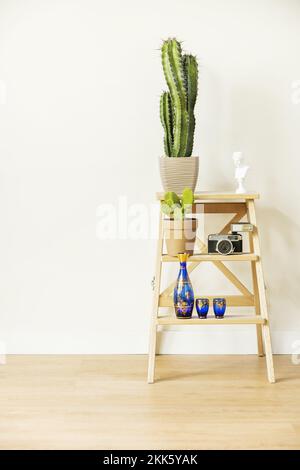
x: 180, y: 236
x: 178, y: 173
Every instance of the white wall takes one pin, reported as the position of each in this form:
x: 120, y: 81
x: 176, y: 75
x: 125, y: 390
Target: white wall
x: 80, y: 84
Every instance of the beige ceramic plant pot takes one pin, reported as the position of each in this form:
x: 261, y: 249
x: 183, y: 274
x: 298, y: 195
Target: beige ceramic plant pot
x: 180, y: 236
x: 178, y: 173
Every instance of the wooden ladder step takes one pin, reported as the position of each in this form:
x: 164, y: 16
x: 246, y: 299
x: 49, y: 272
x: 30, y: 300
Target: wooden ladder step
x: 210, y: 320
x: 231, y: 300
x: 201, y: 196
x: 215, y: 257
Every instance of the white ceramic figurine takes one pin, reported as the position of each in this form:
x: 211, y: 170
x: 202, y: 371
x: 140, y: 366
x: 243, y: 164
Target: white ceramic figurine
x: 240, y: 171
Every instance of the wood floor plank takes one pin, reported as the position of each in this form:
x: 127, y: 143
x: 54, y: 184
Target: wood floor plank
x: 104, y: 402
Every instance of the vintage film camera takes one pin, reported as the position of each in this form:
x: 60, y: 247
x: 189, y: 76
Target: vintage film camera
x: 231, y: 243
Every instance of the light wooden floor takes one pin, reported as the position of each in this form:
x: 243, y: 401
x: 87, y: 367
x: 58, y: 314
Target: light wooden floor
x: 104, y: 402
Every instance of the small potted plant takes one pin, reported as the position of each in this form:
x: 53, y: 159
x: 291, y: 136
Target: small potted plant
x: 180, y: 231
x: 178, y: 168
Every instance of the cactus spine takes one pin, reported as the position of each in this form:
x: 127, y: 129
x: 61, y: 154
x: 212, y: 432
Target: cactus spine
x: 177, y: 105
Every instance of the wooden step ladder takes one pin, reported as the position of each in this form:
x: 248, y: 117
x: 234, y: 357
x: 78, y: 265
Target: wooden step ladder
x: 218, y: 203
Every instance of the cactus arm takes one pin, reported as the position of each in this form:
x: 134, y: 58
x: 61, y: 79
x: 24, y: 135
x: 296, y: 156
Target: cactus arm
x: 174, y: 96
x: 174, y: 74
x: 191, y: 78
x: 176, y: 61
x: 166, y: 117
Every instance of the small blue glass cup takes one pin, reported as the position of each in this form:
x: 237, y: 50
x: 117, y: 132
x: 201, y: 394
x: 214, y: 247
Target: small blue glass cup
x: 202, y: 306
x: 219, y: 307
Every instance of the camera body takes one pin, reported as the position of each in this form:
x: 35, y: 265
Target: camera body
x: 225, y: 244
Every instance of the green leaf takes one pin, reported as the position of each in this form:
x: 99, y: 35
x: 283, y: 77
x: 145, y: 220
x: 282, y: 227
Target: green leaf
x: 178, y: 213
x: 166, y: 209
x: 187, y: 196
x: 171, y: 198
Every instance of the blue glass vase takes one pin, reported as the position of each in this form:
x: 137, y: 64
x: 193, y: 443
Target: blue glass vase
x: 183, y: 291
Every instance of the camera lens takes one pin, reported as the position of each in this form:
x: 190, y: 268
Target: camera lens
x: 224, y: 247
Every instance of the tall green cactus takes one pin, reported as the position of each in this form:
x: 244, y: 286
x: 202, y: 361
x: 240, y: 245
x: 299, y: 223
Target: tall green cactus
x: 177, y: 105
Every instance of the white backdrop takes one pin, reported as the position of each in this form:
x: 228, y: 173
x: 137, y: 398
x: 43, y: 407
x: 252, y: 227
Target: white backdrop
x: 79, y: 126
